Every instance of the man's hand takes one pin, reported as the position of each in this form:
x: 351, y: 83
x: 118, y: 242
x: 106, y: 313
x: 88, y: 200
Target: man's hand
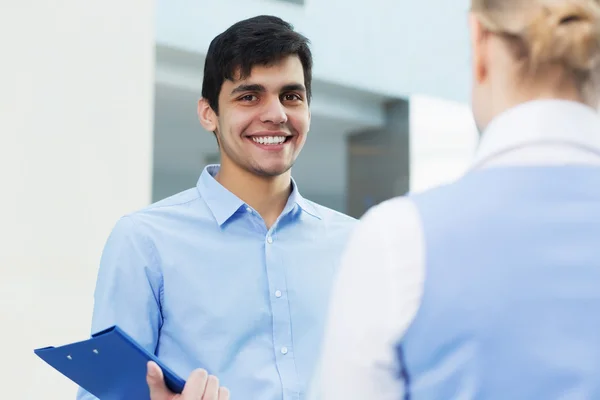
x: 199, y: 386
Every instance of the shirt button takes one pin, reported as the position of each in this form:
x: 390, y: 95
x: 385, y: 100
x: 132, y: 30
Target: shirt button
x: 284, y: 350
x: 248, y: 209
x: 269, y: 239
x: 278, y: 293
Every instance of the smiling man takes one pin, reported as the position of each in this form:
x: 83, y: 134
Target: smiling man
x: 233, y: 276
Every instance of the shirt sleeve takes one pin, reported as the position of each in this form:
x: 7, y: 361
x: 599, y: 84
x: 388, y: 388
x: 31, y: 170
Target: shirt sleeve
x: 128, y: 288
x: 374, y: 299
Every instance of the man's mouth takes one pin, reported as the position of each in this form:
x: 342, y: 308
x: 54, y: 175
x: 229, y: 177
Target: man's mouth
x: 270, y: 140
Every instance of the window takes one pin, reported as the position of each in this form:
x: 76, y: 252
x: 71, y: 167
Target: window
x: 443, y: 139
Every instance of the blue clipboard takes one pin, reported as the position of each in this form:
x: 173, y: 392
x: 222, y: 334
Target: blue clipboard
x: 110, y: 365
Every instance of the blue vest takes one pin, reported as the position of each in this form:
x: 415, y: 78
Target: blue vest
x: 511, y: 301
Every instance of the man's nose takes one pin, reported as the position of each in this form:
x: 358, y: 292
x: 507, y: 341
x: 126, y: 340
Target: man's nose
x: 274, y: 112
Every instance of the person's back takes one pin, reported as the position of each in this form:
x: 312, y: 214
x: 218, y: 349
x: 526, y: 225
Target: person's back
x: 511, y: 295
x: 487, y: 288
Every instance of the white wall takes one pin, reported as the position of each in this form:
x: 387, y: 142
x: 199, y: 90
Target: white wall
x: 76, y: 99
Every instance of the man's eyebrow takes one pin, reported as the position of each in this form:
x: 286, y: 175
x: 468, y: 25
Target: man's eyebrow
x: 248, y: 88
x: 294, y: 87
x: 297, y: 87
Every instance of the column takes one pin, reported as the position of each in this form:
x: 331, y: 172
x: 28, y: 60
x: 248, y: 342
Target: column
x: 76, y: 106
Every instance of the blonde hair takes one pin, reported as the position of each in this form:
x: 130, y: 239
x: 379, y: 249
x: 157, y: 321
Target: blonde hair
x: 547, y: 33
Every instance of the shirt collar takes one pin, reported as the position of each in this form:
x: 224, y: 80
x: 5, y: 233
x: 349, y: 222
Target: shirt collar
x: 541, y: 121
x: 305, y: 205
x: 223, y: 204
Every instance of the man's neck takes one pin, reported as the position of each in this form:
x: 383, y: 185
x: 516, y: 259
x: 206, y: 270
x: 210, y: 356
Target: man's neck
x: 267, y: 195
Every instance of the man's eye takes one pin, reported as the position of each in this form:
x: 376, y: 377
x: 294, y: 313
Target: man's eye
x: 291, y: 97
x: 248, y: 97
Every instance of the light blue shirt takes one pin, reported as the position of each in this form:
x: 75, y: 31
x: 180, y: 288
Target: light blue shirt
x: 201, y: 282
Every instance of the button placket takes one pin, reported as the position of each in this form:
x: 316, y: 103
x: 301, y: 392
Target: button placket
x: 282, y: 335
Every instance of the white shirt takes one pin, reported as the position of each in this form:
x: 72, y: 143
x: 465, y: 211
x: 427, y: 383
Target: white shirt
x: 378, y: 290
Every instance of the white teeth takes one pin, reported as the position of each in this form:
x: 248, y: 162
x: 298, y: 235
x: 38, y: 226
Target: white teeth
x: 269, y: 139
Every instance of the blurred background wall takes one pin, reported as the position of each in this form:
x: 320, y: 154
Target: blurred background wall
x: 386, y: 72
x: 97, y: 119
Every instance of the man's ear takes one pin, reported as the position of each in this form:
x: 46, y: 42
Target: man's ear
x: 479, y: 36
x: 207, y: 116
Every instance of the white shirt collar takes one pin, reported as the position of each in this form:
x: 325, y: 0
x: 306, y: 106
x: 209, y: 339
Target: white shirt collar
x: 562, y: 122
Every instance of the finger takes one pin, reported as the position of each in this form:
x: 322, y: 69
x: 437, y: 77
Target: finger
x: 195, y: 385
x: 156, y: 383
x: 212, y: 388
x: 223, y: 393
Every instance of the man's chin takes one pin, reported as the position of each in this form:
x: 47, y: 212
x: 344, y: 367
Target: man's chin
x: 271, y: 171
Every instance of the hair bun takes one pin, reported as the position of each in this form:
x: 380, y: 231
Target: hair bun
x: 566, y: 32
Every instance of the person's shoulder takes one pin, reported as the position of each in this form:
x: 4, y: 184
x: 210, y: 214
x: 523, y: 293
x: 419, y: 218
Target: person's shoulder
x: 330, y: 215
x: 398, y: 204
x: 386, y: 226
x: 174, y: 202
x: 394, y: 213
x: 161, y: 211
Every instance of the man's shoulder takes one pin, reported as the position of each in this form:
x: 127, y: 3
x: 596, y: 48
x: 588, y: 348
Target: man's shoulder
x: 331, y: 215
x: 181, y: 199
x: 166, y: 210
x: 325, y: 211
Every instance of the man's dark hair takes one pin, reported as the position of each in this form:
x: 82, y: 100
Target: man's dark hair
x: 263, y: 40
